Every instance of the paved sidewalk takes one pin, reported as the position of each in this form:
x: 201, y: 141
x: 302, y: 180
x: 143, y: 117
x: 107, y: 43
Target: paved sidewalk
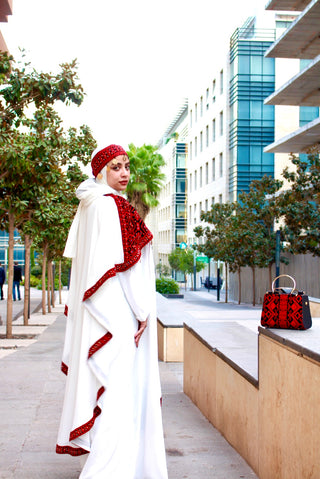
x: 31, y: 396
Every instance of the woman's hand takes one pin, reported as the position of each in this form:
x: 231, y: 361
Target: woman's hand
x: 142, y: 327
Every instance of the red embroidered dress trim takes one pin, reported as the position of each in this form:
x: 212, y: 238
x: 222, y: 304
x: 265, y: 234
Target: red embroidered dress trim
x: 135, y: 235
x: 73, y: 451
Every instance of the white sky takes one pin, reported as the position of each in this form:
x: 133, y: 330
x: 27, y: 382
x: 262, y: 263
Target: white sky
x: 137, y: 59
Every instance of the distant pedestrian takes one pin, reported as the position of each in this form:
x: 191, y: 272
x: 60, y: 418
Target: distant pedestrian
x: 17, y: 277
x: 2, y: 279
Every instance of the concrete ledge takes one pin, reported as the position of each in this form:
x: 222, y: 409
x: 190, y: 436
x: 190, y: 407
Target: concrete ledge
x: 261, y: 392
x: 170, y: 330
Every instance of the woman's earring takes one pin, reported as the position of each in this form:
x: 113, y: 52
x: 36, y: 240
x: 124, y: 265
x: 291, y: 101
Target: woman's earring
x: 99, y: 176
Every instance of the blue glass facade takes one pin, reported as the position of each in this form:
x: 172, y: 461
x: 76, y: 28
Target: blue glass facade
x: 18, y: 252
x: 180, y: 200
x: 252, y: 79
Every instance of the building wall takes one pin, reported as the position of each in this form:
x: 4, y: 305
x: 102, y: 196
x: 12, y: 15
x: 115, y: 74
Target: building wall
x: 168, y: 220
x: 208, y: 156
x: 252, y: 79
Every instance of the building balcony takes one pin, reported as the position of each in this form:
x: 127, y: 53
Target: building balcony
x: 299, y: 141
x: 5, y: 10
x: 302, y: 89
x: 301, y: 39
x: 287, y: 5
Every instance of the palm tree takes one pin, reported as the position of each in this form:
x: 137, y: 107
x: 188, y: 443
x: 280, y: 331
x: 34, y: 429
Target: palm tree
x: 146, y: 179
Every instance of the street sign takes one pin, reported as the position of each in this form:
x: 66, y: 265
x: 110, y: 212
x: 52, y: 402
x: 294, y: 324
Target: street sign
x: 202, y: 259
x: 183, y: 245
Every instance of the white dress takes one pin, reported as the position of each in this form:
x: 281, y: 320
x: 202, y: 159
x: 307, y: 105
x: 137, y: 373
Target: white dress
x: 112, y: 400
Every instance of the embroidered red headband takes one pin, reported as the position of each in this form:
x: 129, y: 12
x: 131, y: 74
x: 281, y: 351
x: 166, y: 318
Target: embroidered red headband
x: 102, y: 157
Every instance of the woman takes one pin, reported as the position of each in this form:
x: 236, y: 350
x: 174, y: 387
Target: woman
x: 111, y: 410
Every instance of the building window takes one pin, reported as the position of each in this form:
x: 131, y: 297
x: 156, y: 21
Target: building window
x: 190, y: 214
x: 207, y: 136
x: 207, y: 173
x: 201, y: 141
x: 195, y: 180
x: 213, y: 91
x: 190, y: 118
x: 196, y: 112
x: 212, y: 201
x: 190, y: 182
x: 180, y: 185
x: 190, y: 149
x: 221, y: 164
x: 206, y: 207
x: 220, y: 199
x: 181, y: 211
x: 195, y: 146
x: 221, y: 123
x: 200, y: 177
x: 201, y: 106
x: 221, y: 82
x: 207, y: 99
x: 200, y: 208
x: 213, y: 169
x: 213, y: 131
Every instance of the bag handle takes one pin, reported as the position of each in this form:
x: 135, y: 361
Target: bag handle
x: 281, y: 276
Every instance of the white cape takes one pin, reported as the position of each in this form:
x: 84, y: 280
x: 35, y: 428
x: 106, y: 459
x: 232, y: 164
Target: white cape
x: 112, y: 398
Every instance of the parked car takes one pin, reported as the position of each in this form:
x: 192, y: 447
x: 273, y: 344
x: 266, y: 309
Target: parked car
x: 211, y: 283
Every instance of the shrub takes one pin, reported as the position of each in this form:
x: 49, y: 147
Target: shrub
x: 34, y: 281
x: 167, y: 286
x: 36, y: 271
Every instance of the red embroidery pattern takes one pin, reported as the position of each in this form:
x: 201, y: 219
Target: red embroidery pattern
x: 98, y: 344
x: 73, y: 451
x: 104, y: 156
x: 79, y: 431
x: 135, y: 235
x: 64, y: 368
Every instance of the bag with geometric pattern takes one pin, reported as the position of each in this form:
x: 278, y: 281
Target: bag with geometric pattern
x: 286, y: 310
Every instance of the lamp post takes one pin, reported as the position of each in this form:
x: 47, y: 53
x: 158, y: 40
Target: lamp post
x: 277, y: 256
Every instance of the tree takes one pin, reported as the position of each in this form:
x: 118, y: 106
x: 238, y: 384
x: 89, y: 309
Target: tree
x: 183, y: 260
x: 300, y: 206
x: 243, y: 232
x: 24, y: 157
x: 146, y: 178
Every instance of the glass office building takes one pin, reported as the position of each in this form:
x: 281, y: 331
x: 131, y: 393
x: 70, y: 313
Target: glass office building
x: 180, y: 193
x: 18, y: 252
x: 252, y: 79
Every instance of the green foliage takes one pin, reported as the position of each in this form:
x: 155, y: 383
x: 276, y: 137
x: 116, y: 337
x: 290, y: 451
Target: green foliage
x: 36, y: 271
x: 300, y: 206
x: 183, y: 260
x: 163, y: 269
x: 167, y: 286
x: 146, y: 178
x: 243, y: 232
x: 35, y: 281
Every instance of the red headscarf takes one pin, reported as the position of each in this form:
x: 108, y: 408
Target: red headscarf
x: 104, y: 155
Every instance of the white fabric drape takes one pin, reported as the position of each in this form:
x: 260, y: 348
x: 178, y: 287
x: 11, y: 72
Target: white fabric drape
x: 126, y: 439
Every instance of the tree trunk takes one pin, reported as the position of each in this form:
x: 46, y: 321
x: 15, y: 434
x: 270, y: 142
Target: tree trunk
x: 60, y: 285
x: 139, y: 205
x: 226, y: 282
x: 270, y: 276
x: 52, y: 284
x: 239, y: 278
x: 26, y: 309
x: 10, y: 275
x: 48, y: 286
x: 44, y: 279
x: 253, y: 286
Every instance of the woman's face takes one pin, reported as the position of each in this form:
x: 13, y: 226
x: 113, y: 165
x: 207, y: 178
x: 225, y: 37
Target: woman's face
x: 118, y: 173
